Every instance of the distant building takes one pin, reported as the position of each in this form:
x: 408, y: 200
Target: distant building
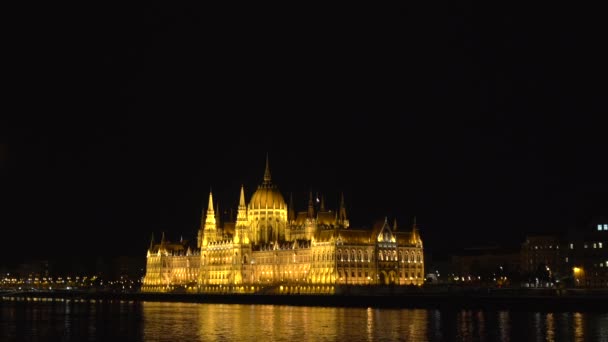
x: 543, y: 260
x: 587, y: 254
x: 486, y: 265
x: 33, y: 268
x: 271, y: 246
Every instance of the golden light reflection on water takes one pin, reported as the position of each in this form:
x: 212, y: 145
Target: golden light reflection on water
x: 78, y: 320
x: 481, y: 327
x: 504, y: 325
x: 216, y: 322
x: 550, y: 327
x: 578, y: 327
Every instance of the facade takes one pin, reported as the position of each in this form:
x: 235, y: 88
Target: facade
x: 579, y: 259
x: 587, y: 254
x: 272, y: 248
x: 489, y: 266
x: 542, y: 260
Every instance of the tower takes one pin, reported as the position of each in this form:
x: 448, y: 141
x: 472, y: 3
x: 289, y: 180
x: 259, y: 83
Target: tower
x: 210, y: 229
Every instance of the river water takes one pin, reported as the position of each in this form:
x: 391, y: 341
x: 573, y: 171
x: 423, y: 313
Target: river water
x: 89, y: 320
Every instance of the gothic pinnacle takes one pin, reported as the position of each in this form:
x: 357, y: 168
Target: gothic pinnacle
x: 267, y: 171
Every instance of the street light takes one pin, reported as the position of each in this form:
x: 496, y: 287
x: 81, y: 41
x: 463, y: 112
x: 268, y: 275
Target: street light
x: 578, y: 272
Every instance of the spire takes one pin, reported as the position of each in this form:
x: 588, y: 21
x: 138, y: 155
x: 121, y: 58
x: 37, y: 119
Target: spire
x: 208, y: 232
x: 322, y: 207
x: 342, y: 215
x: 210, y: 219
x: 210, y: 205
x: 162, y: 239
x: 241, y: 214
x: 415, y: 237
x: 242, y: 198
x: 386, y: 235
x: 395, y: 225
x: 240, y: 230
x: 151, y: 242
x: 267, y: 179
x: 311, y: 208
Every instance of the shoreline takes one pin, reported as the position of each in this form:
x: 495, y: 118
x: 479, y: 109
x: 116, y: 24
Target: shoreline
x: 581, y: 301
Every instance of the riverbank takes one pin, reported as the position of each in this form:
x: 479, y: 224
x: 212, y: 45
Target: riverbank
x: 528, y: 300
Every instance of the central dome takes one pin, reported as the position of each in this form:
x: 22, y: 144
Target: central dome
x: 267, y: 195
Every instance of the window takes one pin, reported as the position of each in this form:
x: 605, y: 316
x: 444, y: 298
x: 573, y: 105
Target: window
x: 599, y: 227
x: 606, y: 227
x: 571, y: 246
x: 599, y: 245
x: 594, y: 245
x: 566, y: 259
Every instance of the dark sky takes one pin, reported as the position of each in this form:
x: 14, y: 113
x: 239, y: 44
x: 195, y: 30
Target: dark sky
x: 484, y: 123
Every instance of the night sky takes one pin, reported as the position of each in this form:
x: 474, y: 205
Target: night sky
x: 485, y: 124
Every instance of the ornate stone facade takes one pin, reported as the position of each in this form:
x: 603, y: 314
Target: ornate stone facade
x: 271, y: 248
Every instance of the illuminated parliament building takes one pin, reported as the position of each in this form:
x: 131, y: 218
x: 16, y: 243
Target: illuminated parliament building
x: 272, y: 248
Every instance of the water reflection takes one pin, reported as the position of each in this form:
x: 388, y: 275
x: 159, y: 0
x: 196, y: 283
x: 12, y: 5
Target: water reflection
x: 550, y: 327
x: 22, y: 320
x: 578, y: 327
x: 165, y: 322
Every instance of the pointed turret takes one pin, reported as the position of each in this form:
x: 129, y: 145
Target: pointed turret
x: 151, y: 242
x: 342, y: 212
x: 201, y: 229
x: 241, y: 230
x: 210, y: 212
x: 386, y: 235
x: 311, y: 206
x: 322, y: 206
x: 242, y: 197
x: 395, y: 224
x: 210, y: 223
x: 241, y: 215
x: 415, y: 234
x: 161, y: 248
x: 267, y: 178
